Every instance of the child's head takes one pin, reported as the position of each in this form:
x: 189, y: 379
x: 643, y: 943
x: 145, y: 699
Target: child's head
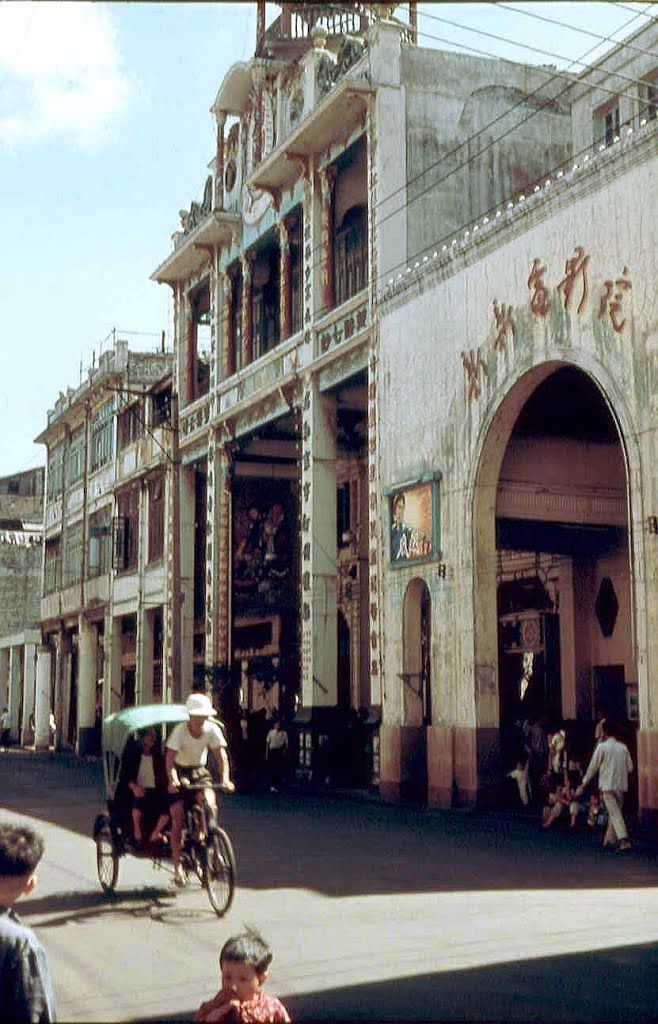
x: 21, y: 849
x: 244, y: 960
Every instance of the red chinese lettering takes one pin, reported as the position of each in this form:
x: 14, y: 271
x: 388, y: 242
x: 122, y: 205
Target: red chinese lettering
x: 575, y: 268
x: 475, y: 367
x: 611, y: 300
x: 539, y: 300
x: 504, y: 324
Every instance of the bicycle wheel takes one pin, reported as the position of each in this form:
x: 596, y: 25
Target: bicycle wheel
x: 219, y: 871
x: 107, y: 859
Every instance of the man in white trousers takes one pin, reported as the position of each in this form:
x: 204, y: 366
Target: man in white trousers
x: 613, y: 763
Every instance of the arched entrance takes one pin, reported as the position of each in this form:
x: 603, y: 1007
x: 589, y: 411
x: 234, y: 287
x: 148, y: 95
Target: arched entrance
x: 553, y: 588
x: 416, y: 695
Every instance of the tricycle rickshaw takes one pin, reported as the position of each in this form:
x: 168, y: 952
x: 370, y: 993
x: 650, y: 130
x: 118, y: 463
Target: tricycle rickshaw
x: 207, y: 851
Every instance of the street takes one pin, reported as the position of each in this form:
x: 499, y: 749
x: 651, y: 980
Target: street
x: 373, y: 912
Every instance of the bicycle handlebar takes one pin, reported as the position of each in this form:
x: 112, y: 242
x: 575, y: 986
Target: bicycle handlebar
x: 217, y: 786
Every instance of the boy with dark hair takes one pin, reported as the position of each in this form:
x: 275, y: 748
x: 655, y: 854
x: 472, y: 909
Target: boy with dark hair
x: 26, y: 995
x: 243, y: 961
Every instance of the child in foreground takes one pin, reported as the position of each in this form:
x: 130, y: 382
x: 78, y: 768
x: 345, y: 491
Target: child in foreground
x: 243, y: 962
x: 26, y: 993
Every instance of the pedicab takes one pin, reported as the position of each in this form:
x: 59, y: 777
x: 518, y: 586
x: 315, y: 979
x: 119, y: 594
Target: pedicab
x: 206, y: 851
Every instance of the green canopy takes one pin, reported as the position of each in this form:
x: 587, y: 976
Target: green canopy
x: 120, y: 725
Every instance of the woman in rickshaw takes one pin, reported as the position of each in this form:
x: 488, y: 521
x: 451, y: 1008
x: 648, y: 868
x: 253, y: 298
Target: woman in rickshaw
x: 186, y: 760
x: 143, y: 786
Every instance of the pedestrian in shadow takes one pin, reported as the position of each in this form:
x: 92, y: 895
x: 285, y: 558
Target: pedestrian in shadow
x: 612, y: 762
x: 26, y: 993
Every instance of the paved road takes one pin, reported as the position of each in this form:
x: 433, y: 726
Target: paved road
x: 374, y: 912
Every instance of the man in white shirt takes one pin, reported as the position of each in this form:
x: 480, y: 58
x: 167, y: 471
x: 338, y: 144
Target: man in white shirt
x: 4, y: 727
x: 187, y: 752
x: 613, y: 763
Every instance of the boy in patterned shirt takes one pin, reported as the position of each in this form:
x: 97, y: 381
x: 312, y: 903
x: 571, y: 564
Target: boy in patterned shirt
x: 243, y: 962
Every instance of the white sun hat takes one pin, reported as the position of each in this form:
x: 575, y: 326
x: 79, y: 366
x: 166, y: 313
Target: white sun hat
x: 199, y: 704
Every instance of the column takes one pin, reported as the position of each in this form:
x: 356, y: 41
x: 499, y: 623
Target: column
x: 4, y: 678
x: 87, y: 653
x: 285, y: 283
x: 218, y: 559
x: 247, y: 261
x: 228, y: 336
x: 189, y: 350
x: 327, y: 178
x: 29, y: 684
x: 112, y: 666
x: 62, y: 662
x: 145, y: 655
x: 318, y: 500
x: 220, y: 117
x: 42, y: 698
x: 15, y: 686
x: 182, y: 686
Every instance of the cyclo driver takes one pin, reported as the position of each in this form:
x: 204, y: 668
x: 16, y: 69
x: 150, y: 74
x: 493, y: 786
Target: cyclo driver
x: 187, y: 756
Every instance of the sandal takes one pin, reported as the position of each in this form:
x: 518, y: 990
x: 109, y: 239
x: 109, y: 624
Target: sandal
x: 625, y: 844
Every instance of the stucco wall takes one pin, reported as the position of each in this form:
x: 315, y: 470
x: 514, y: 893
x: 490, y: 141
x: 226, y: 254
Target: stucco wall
x: 440, y: 319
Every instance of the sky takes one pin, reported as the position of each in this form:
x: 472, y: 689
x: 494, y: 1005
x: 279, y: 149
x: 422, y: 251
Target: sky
x: 106, y: 133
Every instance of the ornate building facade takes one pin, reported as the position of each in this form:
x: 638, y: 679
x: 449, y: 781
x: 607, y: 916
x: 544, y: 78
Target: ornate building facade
x: 105, y: 557
x: 344, y: 150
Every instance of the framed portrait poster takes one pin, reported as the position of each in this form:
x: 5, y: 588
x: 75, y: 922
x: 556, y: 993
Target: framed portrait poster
x: 413, y: 521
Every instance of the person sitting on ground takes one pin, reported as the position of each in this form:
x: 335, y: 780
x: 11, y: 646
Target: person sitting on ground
x: 559, y: 800
x: 187, y: 756
x: 243, y: 962
x: 144, y: 777
x: 26, y: 992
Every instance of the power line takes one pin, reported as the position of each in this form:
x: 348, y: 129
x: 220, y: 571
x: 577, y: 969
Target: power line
x: 574, y: 28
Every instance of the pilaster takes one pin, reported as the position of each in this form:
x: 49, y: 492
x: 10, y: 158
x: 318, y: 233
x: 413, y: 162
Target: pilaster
x: 247, y: 260
x: 42, y: 699
x: 327, y: 179
x: 285, y: 283
x: 319, y: 597
x: 87, y: 654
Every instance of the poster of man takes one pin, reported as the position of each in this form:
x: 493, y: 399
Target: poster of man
x: 412, y: 523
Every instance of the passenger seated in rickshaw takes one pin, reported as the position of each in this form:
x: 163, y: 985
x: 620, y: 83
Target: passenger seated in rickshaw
x: 143, y: 787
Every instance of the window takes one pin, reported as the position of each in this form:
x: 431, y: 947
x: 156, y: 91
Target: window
x: 52, y: 565
x: 351, y: 254
x: 98, y: 550
x: 649, y: 98
x: 125, y: 532
x: 606, y: 124
x: 72, y: 563
x: 55, y: 470
x: 343, y: 516
x: 75, y: 462
x: 161, y: 407
x: 156, y: 521
x: 200, y: 349
x: 101, y: 435
x: 130, y: 425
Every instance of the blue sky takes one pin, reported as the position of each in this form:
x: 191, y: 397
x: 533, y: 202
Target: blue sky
x: 105, y: 134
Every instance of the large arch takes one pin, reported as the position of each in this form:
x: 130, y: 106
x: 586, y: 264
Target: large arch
x: 485, y: 493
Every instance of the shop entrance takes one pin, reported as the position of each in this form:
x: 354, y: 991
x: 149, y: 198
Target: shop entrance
x: 563, y: 643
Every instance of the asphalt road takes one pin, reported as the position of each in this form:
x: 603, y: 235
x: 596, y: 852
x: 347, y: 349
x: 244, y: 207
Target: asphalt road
x: 374, y: 912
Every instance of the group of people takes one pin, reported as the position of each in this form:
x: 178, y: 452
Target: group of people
x: 5, y: 728
x: 26, y: 989
x: 545, y: 772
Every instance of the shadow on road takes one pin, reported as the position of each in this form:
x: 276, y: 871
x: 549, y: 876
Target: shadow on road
x: 614, y: 985
x: 64, y: 908
x: 359, y: 847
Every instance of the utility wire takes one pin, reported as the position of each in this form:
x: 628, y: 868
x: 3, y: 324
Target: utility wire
x: 573, y: 28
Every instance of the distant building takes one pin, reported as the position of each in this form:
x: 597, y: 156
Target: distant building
x: 21, y: 535
x: 105, y: 587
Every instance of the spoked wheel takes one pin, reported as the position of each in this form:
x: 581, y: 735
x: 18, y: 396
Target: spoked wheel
x: 219, y: 871
x: 107, y: 859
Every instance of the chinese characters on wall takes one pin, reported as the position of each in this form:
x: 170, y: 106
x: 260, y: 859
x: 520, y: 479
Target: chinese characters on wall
x: 571, y: 292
